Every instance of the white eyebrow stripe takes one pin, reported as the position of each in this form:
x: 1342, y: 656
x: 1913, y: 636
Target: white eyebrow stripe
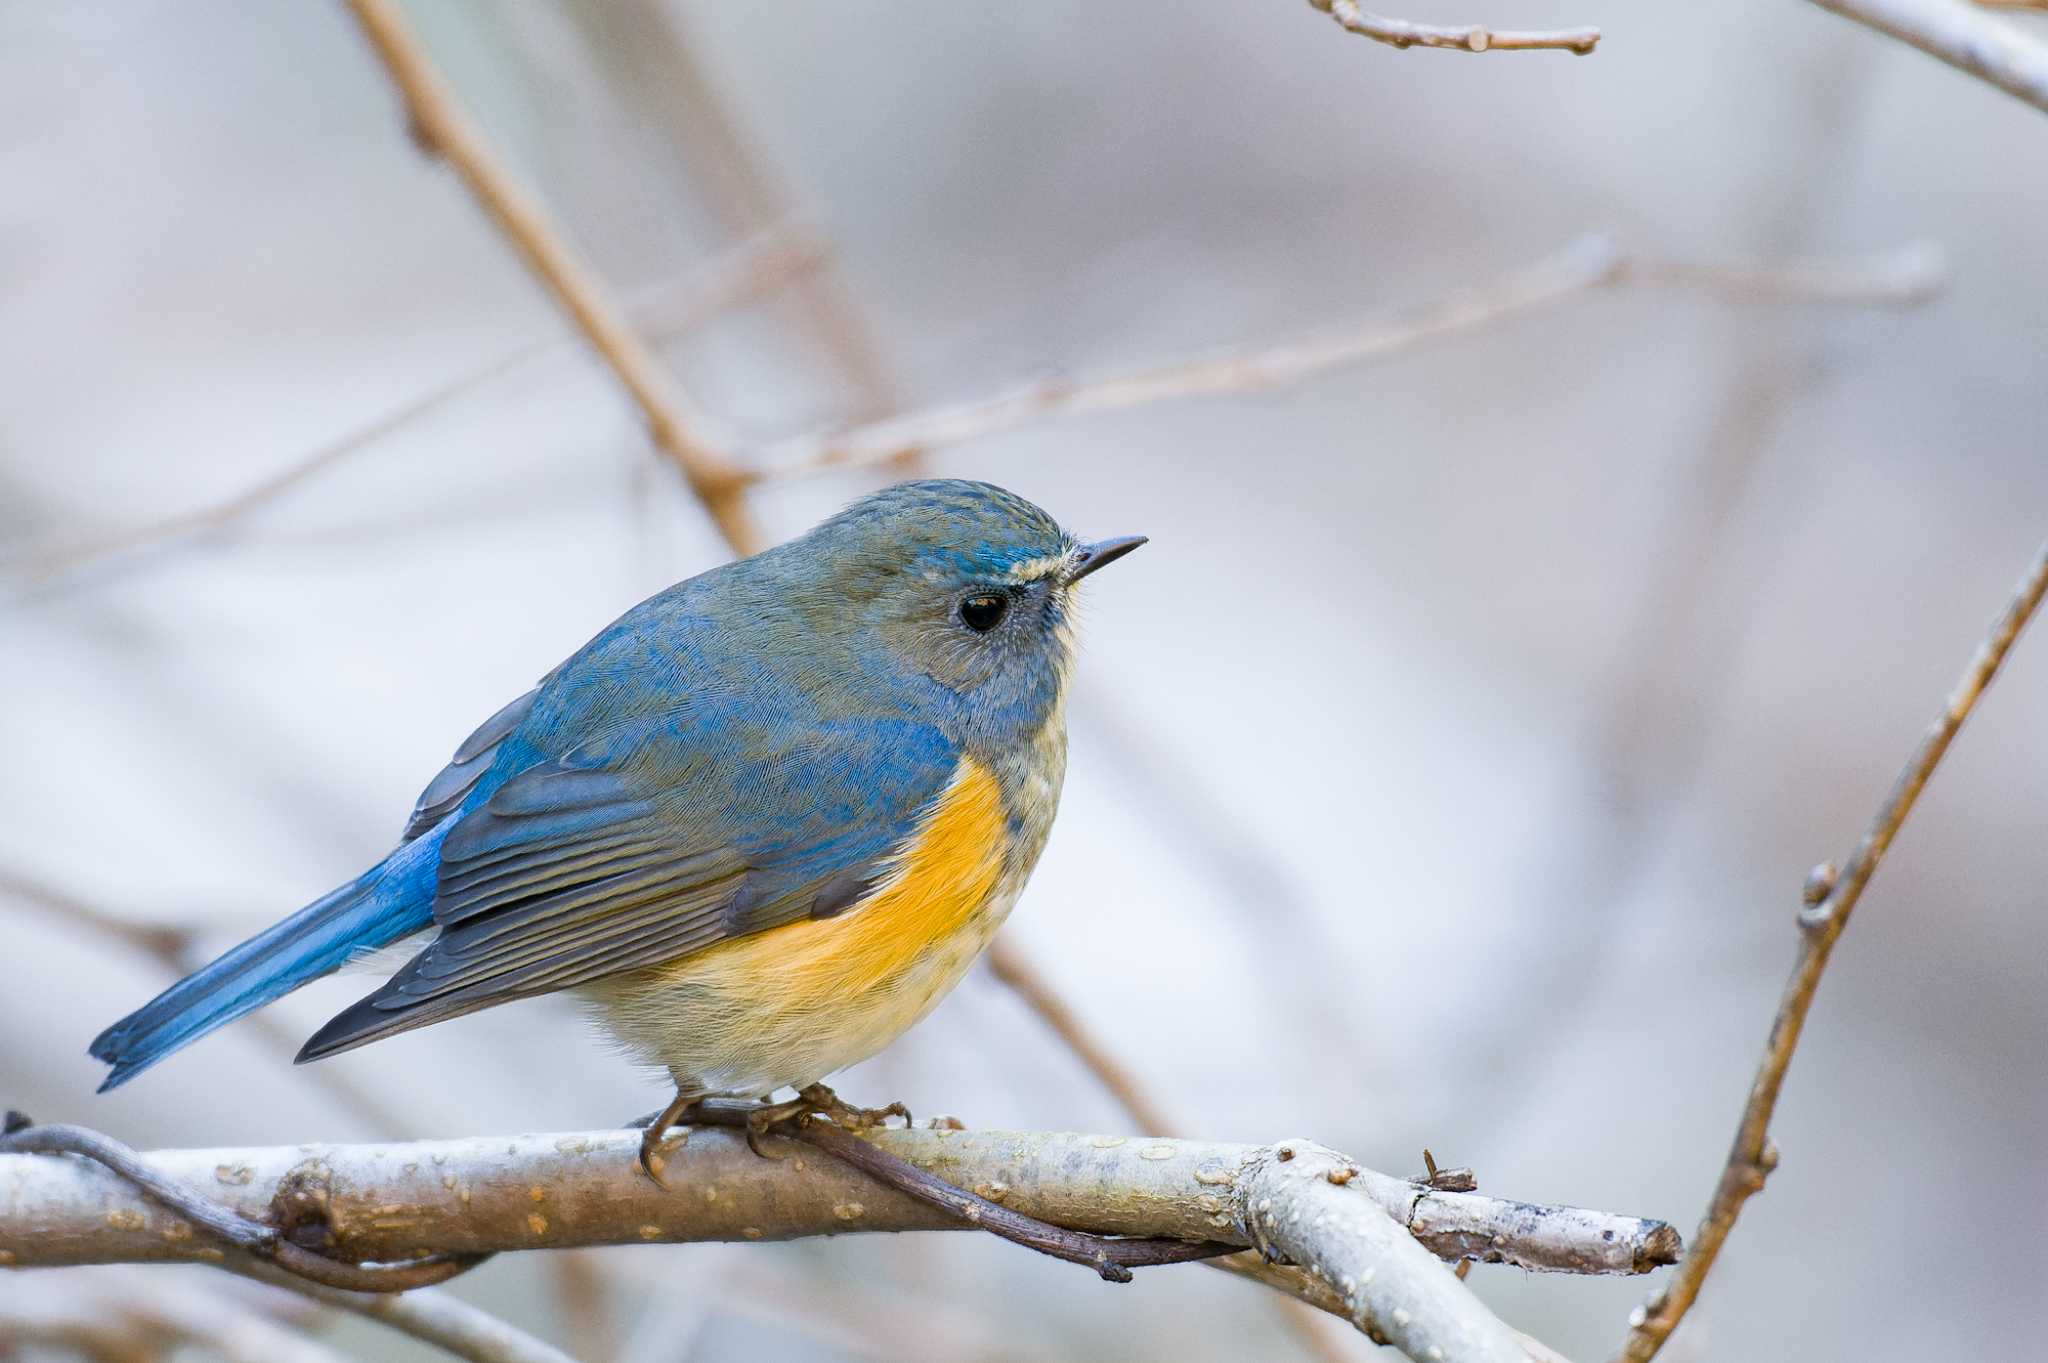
x: 1032, y: 569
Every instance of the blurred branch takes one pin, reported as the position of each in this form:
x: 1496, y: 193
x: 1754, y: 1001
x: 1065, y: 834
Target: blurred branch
x: 121, y: 1317
x: 1014, y: 970
x: 1458, y: 37
x: 678, y: 429
x: 1830, y: 899
x: 1964, y: 37
x: 668, y: 309
x: 173, y: 947
x: 649, y: 47
x: 462, y: 1198
x: 587, y: 1306
x: 164, y: 942
x: 428, y: 1314
x: 781, y: 253
x: 1894, y: 279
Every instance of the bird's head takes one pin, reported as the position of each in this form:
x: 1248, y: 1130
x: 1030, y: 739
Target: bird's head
x: 964, y: 586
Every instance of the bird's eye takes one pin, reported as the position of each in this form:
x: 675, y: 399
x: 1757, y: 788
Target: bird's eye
x: 983, y: 611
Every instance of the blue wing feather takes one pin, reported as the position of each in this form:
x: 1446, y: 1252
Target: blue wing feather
x: 609, y: 836
x: 688, y: 776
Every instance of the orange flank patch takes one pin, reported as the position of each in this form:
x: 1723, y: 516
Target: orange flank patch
x: 944, y: 878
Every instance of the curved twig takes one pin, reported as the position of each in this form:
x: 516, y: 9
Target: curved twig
x: 1113, y: 1257
x: 1830, y: 899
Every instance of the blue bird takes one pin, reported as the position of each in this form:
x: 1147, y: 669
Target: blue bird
x: 763, y: 822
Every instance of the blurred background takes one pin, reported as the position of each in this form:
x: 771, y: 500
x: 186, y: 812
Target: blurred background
x: 1443, y: 774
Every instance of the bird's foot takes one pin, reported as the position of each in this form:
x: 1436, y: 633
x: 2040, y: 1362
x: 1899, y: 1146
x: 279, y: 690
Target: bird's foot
x: 824, y: 1101
x: 680, y: 1112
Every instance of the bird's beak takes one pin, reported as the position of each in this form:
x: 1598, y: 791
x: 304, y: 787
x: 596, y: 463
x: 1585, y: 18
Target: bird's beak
x: 1100, y: 554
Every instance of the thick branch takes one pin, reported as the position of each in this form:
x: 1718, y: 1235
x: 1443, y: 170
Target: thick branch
x: 1898, y: 278
x: 385, y: 1203
x: 1457, y: 37
x: 1962, y: 36
x: 1830, y: 901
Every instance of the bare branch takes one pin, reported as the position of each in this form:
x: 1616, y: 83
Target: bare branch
x: 651, y: 52
x: 1899, y: 278
x: 667, y: 310
x: 125, y: 1317
x: 780, y: 254
x: 1016, y: 972
x: 252, y: 1236
x: 1457, y: 37
x: 173, y: 947
x: 428, y: 1314
x: 379, y: 1203
x: 1964, y: 37
x: 440, y: 125
x: 1829, y: 901
x: 164, y: 942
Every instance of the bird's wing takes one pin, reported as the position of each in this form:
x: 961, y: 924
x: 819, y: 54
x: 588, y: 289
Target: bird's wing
x: 643, y: 848
x: 472, y: 763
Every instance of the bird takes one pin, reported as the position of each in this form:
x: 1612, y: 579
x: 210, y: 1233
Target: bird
x: 760, y: 824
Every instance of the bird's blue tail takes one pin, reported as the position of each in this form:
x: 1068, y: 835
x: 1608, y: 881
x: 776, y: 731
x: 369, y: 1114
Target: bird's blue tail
x: 385, y: 903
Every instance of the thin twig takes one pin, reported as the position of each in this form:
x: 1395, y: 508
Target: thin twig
x: 1895, y: 279
x: 1111, y: 1257
x: 655, y: 55
x: 440, y: 125
x: 1456, y: 37
x: 667, y: 310
x: 1014, y: 970
x: 587, y: 1306
x: 1830, y: 899
x: 1964, y: 37
x: 174, y: 947
x: 124, y: 1317
x: 47, y: 564
x: 167, y: 943
x: 427, y: 1314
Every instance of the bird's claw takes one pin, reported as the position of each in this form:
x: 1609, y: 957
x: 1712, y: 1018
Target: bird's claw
x: 651, y: 1161
x: 757, y: 1122
x: 824, y: 1101
x: 654, y: 1133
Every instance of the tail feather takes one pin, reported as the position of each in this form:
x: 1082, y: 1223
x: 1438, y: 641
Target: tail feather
x: 387, y: 902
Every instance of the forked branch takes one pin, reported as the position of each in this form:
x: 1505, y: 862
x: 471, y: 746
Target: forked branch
x: 1375, y: 1241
